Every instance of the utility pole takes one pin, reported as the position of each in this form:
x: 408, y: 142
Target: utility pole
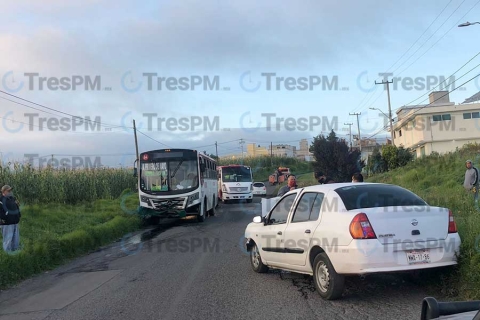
x: 216, y: 149
x: 136, y: 149
x: 389, y: 107
x: 241, y: 143
x: 358, y: 125
x: 271, y: 154
x: 350, y: 130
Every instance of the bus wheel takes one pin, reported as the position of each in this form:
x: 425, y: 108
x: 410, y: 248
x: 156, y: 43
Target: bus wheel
x: 214, y: 205
x: 202, y: 212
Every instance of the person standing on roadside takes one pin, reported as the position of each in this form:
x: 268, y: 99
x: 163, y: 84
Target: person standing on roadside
x: 9, y: 220
x: 471, y: 180
x: 357, y: 177
x: 291, y: 185
x: 320, y: 177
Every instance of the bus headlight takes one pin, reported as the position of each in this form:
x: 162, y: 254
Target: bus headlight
x: 224, y: 189
x: 193, y: 197
x: 144, y: 199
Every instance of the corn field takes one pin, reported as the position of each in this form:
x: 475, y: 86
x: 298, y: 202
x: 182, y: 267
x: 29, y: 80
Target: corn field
x: 264, y: 161
x: 48, y: 185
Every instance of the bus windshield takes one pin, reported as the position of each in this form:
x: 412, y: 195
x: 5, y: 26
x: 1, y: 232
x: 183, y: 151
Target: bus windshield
x: 236, y: 174
x: 163, y: 175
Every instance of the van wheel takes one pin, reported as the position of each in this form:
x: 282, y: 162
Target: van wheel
x: 328, y: 282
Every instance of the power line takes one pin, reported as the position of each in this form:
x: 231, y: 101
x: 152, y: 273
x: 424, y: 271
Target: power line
x: 153, y: 139
x: 71, y: 115
x: 67, y: 131
x: 440, y: 84
x: 449, y: 77
x: 210, y: 145
x: 454, y: 26
x: 420, y: 108
x: 428, y: 39
x: 438, y: 16
x: 359, y: 106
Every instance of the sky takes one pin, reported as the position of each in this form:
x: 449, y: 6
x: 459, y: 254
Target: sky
x: 192, y: 73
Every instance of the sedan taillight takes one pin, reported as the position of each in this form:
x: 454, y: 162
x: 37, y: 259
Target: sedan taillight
x: 452, y: 226
x: 360, y: 227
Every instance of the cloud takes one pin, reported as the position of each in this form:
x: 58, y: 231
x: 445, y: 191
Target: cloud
x: 172, y: 38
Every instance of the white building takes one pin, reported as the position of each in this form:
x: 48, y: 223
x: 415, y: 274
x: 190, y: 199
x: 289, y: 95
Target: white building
x: 439, y: 127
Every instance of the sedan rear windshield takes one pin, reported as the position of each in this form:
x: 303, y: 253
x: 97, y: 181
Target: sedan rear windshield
x: 377, y: 196
x: 258, y: 184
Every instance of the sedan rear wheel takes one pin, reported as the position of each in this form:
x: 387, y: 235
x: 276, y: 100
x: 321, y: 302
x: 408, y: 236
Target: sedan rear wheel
x: 328, y: 282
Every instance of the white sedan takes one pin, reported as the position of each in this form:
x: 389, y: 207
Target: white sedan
x: 259, y: 188
x: 335, y: 230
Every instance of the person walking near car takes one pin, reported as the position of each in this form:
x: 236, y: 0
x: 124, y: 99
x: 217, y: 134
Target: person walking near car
x: 471, y: 180
x: 291, y: 185
x: 9, y: 220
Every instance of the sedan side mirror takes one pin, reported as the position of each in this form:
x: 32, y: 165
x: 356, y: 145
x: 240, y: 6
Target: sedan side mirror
x: 257, y: 219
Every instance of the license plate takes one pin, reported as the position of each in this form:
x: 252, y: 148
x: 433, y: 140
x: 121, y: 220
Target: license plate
x: 418, y: 256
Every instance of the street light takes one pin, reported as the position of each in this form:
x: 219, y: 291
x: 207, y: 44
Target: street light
x: 381, y: 112
x: 466, y: 24
x: 391, y: 122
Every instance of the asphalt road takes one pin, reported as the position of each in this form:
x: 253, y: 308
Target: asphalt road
x: 189, y: 270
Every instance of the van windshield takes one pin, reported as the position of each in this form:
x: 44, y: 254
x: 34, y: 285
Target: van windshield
x: 236, y: 174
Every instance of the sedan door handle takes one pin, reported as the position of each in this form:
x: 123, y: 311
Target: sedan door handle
x: 307, y: 231
x: 279, y: 232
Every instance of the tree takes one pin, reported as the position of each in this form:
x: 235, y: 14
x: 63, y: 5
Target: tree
x: 333, y: 157
x: 388, y: 158
x: 376, y: 164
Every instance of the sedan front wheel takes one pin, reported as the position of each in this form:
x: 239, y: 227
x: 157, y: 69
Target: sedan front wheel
x: 256, y: 260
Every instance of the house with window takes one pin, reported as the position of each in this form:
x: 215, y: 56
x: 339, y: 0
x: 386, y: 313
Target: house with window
x: 441, y: 126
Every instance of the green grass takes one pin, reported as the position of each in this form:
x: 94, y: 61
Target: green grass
x: 51, y: 235
x: 439, y: 180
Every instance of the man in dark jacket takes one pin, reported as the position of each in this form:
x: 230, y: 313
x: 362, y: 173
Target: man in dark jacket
x: 9, y: 219
x: 291, y: 185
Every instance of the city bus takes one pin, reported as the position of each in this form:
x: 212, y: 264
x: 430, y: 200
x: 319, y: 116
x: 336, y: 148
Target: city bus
x: 175, y: 183
x: 235, y: 182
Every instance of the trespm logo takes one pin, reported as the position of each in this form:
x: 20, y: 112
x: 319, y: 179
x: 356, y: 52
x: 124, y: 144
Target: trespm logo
x: 280, y: 83
x: 429, y: 82
x: 154, y: 82
x: 12, y: 82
